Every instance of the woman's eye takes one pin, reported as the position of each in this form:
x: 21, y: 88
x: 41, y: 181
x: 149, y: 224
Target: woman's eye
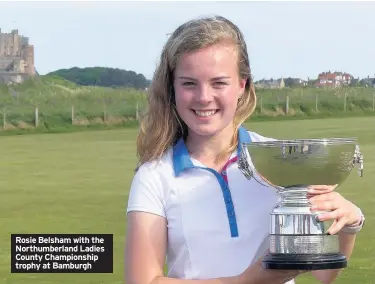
x: 187, y: 83
x: 221, y: 83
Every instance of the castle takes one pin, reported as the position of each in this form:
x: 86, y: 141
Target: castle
x: 16, y: 58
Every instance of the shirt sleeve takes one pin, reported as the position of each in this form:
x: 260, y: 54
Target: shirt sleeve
x: 146, y: 192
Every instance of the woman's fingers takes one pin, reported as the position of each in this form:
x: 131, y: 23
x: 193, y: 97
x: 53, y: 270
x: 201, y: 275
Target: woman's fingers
x: 337, y: 226
x: 320, y: 189
x: 328, y: 216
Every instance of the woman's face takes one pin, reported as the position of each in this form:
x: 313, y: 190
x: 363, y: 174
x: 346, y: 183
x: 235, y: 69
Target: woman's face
x: 207, y: 88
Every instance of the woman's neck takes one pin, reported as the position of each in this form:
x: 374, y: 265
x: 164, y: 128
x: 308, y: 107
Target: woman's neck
x: 208, y: 149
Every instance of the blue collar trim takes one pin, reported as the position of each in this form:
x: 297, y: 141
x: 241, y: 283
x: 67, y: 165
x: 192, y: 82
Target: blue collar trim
x: 181, y: 157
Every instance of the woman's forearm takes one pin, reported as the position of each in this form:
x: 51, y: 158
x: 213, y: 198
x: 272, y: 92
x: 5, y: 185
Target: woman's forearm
x: 346, y: 246
x: 224, y: 280
x: 346, y: 243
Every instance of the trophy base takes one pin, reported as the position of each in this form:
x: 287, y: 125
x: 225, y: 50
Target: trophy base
x: 304, y: 261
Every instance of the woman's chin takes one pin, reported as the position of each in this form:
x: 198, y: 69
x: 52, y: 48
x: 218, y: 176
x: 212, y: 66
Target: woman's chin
x: 210, y: 129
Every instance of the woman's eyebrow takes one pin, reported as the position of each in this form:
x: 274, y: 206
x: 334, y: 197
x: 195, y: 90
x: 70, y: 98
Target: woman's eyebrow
x: 215, y: 78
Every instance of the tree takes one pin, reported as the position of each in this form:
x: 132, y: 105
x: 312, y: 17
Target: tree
x: 102, y: 76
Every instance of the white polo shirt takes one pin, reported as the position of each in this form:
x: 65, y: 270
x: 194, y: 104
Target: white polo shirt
x: 218, y: 223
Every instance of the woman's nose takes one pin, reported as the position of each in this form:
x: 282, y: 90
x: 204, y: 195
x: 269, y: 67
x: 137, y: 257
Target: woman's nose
x: 204, y: 95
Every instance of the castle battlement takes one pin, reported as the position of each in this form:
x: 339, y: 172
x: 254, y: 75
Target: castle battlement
x: 16, y: 58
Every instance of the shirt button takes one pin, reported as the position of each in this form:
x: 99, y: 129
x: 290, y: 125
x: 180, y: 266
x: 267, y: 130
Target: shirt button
x: 224, y: 173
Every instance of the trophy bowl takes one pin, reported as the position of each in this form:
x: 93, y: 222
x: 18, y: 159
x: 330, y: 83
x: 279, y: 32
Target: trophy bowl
x: 298, y: 240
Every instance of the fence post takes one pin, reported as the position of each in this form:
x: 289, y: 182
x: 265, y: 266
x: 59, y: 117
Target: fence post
x: 105, y: 113
x: 287, y: 105
x: 136, y: 112
x: 72, y: 114
x: 316, y: 102
x: 4, y: 118
x: 36, y: 119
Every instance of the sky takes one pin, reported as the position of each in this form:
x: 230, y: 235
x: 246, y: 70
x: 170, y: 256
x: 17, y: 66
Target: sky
x: 284, y: 39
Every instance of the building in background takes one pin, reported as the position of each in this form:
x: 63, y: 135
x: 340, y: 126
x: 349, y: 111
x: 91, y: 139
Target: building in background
x: 16, y: 58
x: 270, y: 84
x: 334, y: 79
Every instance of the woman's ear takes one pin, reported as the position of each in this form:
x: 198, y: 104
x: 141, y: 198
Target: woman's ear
x: 242, y: 87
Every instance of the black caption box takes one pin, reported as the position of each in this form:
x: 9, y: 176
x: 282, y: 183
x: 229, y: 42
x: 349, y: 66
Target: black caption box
x: 62, y: 253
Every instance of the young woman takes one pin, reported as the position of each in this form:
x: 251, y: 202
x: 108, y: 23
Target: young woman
x: 188, y: 201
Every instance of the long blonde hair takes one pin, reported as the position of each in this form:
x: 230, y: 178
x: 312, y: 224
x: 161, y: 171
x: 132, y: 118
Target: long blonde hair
x: 161, y: 125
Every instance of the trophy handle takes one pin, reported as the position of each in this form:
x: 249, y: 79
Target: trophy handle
x: 246, y: 169
x: 358, y: 159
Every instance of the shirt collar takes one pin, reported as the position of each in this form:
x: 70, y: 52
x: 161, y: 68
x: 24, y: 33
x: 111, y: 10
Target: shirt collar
x: 181, y: 157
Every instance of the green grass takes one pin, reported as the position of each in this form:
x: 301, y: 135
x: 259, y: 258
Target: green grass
x: 78, y: 183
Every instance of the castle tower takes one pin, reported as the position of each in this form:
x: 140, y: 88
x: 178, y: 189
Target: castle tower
x: 16, y: 57
x: 2, y: 44
x: 16, y: 43
x: 30, y: 68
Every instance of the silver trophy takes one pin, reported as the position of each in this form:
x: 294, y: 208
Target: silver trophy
x: 298, y: 240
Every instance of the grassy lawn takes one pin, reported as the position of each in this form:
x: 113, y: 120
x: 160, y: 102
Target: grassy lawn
x: 78, y: 183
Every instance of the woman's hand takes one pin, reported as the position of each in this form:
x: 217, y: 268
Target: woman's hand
x: 255, y: 274
x: 339, y: 209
